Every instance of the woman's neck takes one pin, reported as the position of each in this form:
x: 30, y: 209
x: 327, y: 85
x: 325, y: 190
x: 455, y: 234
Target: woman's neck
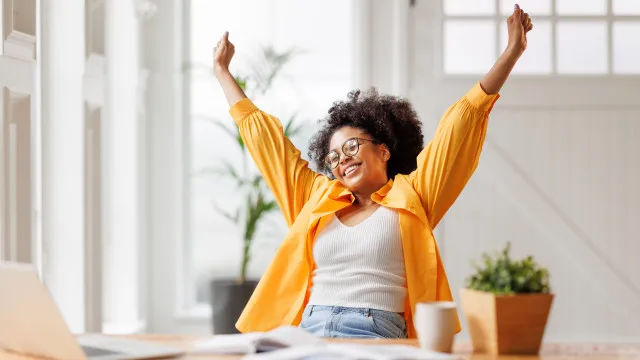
x: 363, y: 200
x: 363, y: 197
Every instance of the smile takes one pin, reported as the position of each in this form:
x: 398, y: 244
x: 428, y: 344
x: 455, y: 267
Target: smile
x: 348, y: 171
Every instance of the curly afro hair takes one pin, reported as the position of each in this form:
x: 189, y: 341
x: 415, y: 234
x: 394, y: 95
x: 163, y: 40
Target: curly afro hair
x: 387, y: 119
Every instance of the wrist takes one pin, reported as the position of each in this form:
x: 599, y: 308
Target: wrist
x: 513, y: 51
x: 221, y: 72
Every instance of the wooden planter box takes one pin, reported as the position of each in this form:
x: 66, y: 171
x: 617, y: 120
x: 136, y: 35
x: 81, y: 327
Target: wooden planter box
x: 506, y: 324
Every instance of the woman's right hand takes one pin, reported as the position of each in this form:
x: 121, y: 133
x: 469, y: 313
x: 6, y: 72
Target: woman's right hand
x: 222, y: 55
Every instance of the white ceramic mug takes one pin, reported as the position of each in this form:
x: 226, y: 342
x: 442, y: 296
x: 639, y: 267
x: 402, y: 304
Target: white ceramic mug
x: 435, y: 324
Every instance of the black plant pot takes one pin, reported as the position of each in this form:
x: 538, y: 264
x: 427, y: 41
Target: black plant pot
x: 228, y: 299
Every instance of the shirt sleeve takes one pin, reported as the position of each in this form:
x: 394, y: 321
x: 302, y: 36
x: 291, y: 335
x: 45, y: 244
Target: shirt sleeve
x: 449, y: 160
x: 286, y: 174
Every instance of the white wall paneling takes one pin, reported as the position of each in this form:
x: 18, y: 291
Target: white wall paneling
x: 18, y: 240
x: 16, y: 153
x: 94, y: 84
x: 557, y: 178
x: 93, y: 210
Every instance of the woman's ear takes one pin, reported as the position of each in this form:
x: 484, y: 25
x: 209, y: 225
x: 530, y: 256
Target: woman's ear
x: 386, y: 154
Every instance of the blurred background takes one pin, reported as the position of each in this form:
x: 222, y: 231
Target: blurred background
x: 122, y: 180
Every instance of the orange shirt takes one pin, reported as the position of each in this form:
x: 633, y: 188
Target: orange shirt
x: 307, y: 199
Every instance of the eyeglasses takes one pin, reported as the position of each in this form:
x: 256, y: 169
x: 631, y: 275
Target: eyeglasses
x: 350, y: 148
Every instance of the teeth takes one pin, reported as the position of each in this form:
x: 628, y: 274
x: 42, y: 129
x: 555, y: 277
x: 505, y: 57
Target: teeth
x: 350, y: 169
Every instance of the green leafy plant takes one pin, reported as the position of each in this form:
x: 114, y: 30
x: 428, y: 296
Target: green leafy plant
x: 502, y: 275
x: 257, y: 201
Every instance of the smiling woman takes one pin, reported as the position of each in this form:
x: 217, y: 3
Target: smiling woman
x: 360, y: 253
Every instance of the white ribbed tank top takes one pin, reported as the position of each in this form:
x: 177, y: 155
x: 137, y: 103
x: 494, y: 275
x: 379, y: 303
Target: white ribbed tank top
x: 360, y: 266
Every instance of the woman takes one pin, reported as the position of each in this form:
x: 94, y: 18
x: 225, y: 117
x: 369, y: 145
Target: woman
x: 360, y: 252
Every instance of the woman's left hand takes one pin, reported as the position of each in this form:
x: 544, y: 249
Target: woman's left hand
x: 518, y: 25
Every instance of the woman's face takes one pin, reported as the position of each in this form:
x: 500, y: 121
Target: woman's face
x: 356, y: 161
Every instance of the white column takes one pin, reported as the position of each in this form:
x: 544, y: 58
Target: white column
x: 361, y: 39
x: 62, y: 67
x: 121, y: 226
x: 401, y: 49
x: 165, y: 166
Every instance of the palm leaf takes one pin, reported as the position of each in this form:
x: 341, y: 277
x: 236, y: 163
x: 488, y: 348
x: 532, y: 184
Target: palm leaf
x: 227, y: 169
x: 234, y: 218
x: 242, y: 82
x: 290, y: 128
x: 257, y: 181
x: 269, y: 65
x: 234, y: 133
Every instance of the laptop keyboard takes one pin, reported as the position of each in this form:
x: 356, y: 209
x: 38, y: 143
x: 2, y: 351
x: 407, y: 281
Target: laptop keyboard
x: 92, y: 351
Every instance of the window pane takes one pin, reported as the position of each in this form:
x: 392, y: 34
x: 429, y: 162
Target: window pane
x: 203, y: 89
x: 306, y: 86
x: 469, y: 7
x: 581, y: 7
x: 324, y: 55
x: 626, y: 48
x: 208, y: 17
x: 537, y: 58
x: 469, y: 46
x: 577, y: 56
x: 626, y: 7
x: 533, y: 7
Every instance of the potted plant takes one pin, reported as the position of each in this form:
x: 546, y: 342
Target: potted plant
x: 507, y: 303
x: 229, y: 296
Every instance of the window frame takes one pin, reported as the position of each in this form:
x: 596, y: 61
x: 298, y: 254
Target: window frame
x: 553, y: 18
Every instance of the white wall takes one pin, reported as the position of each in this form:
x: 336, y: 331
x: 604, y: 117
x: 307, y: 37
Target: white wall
x: 560, y: 185
x: 558, y: 179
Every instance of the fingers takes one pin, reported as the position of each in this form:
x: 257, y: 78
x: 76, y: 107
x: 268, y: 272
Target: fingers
x: 526, y: 23
x: 517, y: 12
x: 522, y: 17
x: 222, y: 43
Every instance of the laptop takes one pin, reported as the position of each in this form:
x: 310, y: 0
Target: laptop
x: 31, y: 324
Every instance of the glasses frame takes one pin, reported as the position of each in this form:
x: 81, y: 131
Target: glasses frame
x: 326, y: 158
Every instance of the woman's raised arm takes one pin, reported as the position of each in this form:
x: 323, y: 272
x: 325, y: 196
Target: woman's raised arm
x: 278, y: 160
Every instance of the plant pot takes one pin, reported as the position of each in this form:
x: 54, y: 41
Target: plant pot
x: 228, y: 299
x: 510, y: 324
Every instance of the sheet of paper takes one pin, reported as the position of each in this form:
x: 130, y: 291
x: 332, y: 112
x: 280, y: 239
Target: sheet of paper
x: 389, y: 352
x: 248, y: 343
x: 226, y: 344
x: 350, y: 351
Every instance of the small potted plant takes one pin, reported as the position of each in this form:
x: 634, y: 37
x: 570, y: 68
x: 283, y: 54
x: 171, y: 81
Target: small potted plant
x: 507, y: 303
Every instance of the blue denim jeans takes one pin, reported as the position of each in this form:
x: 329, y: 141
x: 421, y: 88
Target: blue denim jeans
x: 346, y: 322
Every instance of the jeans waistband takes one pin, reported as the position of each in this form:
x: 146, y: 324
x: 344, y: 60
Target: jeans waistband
x: 310, y: 309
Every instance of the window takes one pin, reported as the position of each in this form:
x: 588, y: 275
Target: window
x: 318, y: 75
x: 570, y: 37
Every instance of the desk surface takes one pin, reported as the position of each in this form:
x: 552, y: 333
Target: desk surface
x: 548, y: 351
